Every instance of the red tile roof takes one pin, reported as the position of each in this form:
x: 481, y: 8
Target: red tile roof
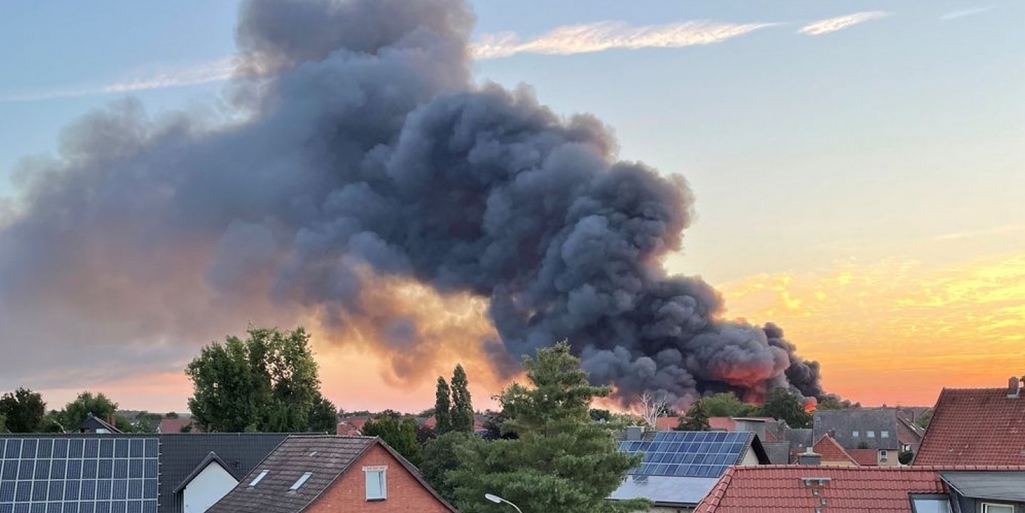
x: 175, y: 425
x: 979, y: 426
x: 865, y: 457
x: 716, y: 423
x: 781, y: 489
x: 831, y: 451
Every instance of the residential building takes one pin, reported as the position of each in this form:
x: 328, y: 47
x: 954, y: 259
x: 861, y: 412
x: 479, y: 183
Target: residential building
x: 319, y: 474
x: 831, y: 453
x: 786, y: 489
x: 680, y: 467
x: 125, y: 473
x: 884, y: 430
x: 981, y: 426
x: 95, y: 425
x: 180, y: 424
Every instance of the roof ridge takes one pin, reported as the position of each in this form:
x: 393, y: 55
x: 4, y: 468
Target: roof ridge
x: 837, y: 445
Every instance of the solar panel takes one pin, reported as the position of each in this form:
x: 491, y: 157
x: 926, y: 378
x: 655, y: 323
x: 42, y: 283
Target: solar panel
x: 79, y: 475
x: 687, y: 453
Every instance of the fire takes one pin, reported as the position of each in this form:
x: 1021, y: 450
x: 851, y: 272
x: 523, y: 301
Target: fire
x: 809, y: 404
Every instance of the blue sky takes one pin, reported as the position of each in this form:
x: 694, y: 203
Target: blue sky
x: 826, y: 142
x: 802, y: 149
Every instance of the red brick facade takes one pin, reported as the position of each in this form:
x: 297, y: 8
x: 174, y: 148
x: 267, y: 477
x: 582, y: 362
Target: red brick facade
x: 405, y: 493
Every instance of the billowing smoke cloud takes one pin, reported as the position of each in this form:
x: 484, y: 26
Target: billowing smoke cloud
x: 368, y: 155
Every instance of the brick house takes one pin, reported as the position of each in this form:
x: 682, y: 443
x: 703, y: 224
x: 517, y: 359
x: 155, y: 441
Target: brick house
x: 976, y: 426
x: 319, y: 474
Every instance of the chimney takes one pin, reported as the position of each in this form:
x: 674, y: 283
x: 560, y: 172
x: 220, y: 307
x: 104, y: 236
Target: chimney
x: 1013, y: 388
x: 832, y: 434
x: 634, y: 433
x: 809, y: 458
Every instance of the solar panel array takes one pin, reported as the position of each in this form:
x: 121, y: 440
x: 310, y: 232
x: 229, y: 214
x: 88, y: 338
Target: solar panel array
x: 688, y: 453
x: 79, y: 475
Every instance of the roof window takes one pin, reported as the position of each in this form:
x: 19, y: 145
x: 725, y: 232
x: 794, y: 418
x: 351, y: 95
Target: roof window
x: 256, y: 480
x: 302, y: 480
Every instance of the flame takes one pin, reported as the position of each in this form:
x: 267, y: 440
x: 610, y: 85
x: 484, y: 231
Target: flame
x: 809, y: 404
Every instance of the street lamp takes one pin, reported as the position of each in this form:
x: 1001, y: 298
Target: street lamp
x: 498, y: 500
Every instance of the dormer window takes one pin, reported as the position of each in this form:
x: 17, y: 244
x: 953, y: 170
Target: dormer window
x: 257, y: 479
x: 928, y: 503
x: 301, y: 481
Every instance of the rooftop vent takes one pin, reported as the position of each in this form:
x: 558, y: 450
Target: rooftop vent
x: 634, y: 433
x: 815, y: 481
x: 258, y: 478
x: 301, y: 481
x: 809, y: 458
x: 1013, y: 388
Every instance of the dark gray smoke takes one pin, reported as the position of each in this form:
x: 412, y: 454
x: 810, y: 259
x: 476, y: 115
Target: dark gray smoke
x: 367, y: 146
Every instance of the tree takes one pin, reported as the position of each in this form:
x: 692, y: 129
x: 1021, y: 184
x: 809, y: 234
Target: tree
x: 696, y: 418
x: 726, y: 404
x: 3, y: 423
x: 267, y: 382
x: 599, y: 415
x: 923, y: 420
x: 562, y: 461
x: 462, y: 406
x: 323, y: 416
x: 398, y: 432
x: 905, y: 457
x: 781, y: 404
x: 86, y: 403
x: 651, y: 407
x: 442, y: 407
x: 24, y: 410
x: 439, y: 458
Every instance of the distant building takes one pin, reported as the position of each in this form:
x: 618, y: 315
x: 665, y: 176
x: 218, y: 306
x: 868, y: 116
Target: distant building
x: 981, y: 426
x: 180, y: 424
x: 885, y: 431
x: 321, y: 474
x: 97, y: 426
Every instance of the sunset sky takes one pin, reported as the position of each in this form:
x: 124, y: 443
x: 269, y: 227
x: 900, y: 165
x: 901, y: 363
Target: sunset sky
x: 858, y: 167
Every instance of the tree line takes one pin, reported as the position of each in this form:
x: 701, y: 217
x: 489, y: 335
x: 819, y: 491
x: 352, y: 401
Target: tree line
x: 24, y: 411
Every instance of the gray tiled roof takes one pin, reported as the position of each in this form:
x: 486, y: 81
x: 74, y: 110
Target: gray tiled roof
x: 665, y: 490
x: 799, y: 438
x: 863, y: 420
x: 778, y: 452
x: 327, y: 457
x: 182, y: 453
x: 1004, y: 486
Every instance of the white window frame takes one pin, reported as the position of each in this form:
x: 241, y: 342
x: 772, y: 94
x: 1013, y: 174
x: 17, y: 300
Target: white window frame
x: 870, y: 434
x: 380, y: 473
x: 884, y: 434
x: 855, y: 433
x: 882, y: 454
x: 992, y: 507
x: 256, y: 480
x: 301, y: 481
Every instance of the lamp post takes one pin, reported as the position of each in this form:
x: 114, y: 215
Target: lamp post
x: 498, y: 500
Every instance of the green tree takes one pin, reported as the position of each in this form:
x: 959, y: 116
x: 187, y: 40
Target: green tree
x: 439, y: 458
x: 462, y: 406
x: 562, y: 461
x: 442, y: 407
x: 398, y: 432
x: 924, y: 418
x: 696, y: 418
x: 830, y: 402
x: 24, y: 410
x: 99, y: 405
x: 3, y: 423
x: 323, y: 416
x: 781, y: 404
x: 905, y: 457
x: 600, y: 415
x: 267, y: 382
x: 726, y: 404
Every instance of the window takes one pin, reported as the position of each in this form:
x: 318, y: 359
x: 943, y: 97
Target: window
x: 870, y: 434
x: 377, y: 483
x: 302, y: 480
x: 930, y: 504
x: 882, y: 455
x: 855, y: 433
x: 884, y: 434
x: 257, y: 479
x: 997, y: 508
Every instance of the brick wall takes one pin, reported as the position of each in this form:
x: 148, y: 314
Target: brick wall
x: 405, y: 493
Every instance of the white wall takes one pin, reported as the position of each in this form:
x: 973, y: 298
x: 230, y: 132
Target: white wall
x: 750, y: 459
x: 207, y: 488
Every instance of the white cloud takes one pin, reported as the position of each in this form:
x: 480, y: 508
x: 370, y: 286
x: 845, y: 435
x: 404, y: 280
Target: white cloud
x: 202, y: 74
x: 596, y: 37
x: 840, y: 22
x: 953, y: 15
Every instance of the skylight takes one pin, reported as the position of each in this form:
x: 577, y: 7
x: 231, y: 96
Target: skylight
x: 258, y: 478
x: 302, y: 479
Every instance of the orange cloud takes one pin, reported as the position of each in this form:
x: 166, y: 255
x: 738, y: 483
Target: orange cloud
x: 897, y: 331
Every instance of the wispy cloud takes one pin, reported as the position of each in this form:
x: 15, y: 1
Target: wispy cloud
x: 828, y: 25
x: 596, y: 37
x: 953, y: 15
x: 202, y: 74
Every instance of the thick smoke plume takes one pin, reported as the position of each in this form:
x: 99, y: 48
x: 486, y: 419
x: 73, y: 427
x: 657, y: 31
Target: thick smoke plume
x: 367, y: 153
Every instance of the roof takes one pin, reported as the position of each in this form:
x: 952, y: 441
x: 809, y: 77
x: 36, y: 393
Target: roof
x: 182, y: 453
x: 664, y: 490
x: 1004, y: 486
x: 93, y: 424
x: 667, y: 423
x: 778, y: 452
x: 779, y: 489
x: 866, y: 421
x: 831, y: 451
x: 210, y: 458
x: 979, y: 426
x: 169, y: 425
x: 692, y: 453
x: 324, y: 457
x: 865, y: 457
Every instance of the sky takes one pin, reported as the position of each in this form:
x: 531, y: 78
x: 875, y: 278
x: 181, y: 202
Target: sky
x: 858, y: 166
